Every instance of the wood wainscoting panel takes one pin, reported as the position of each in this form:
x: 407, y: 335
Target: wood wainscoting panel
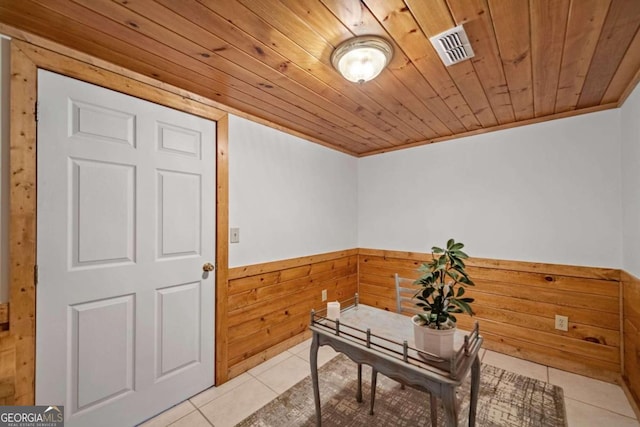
x: 631, y: 328
x: 7, y: 368
x: 268, y: 304
x: 516, y: 303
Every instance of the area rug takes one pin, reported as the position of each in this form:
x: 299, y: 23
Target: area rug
x: 505, y: 399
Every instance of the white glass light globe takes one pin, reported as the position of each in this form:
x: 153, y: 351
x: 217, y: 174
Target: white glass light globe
x: 362, y: 58
x: 362, y: 64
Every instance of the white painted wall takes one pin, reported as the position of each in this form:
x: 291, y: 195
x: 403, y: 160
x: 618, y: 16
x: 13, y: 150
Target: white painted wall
x: 290, y: 197
x: 4, y: 168
x: 548, y: 192
x: 630, y: 135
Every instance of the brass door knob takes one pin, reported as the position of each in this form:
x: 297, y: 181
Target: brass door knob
x: 208, y: 267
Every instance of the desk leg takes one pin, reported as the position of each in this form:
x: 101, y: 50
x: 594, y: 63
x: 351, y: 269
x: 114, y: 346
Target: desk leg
x: 313, y: 359
x: 374, y: 383
x: 450, y: 406
x: 475, y: 387
x: 434, y: 409
x: 359, y: 392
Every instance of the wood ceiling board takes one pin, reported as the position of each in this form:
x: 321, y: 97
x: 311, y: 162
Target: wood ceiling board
x: 511, y: 27
x: 158, y: 35
x: 583, y: 31
x: 289, y: 23
x: 475, y: 16
x: 433, y: 18
x: 548, y: 27
x: 260, y: 29
x: 321, y: 19
x: 266, y: 62
x: 619, y: 29
x: 238, y: 39
x: 270, y: 59
x: 360, y: 21
x: 625, y: 75
x: 192, y: 82
x: 400, y: 24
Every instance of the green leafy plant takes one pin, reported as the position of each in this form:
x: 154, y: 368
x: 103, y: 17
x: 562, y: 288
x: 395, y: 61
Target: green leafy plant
x: 442, y: 287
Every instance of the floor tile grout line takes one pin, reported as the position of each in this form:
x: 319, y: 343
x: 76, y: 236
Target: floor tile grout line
x: 178, y: 419
x: 205, y: 417
x: 599, y: 407
x: 267, y: 386
x: 227, y: 390
x: 271, y: 367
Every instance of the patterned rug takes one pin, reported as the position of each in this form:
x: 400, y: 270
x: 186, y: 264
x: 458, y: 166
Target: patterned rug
x: 506, y: 399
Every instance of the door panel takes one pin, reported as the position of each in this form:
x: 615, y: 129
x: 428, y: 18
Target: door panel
x: 103, y: 212
x: 101, y: 124
x: 126, y: 219
x: 178, y: 328
x: 101, y: 351
x: 178, y: 140
x: 179, y: 209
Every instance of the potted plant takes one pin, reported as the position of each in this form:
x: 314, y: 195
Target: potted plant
x: 441, y: 296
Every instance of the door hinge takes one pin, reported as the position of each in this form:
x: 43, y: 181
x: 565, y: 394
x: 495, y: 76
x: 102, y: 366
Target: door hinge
x: 35, y: 275
x: 37, y: 111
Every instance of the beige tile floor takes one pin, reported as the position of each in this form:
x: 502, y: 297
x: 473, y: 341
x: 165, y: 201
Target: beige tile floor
x: 589, y: 402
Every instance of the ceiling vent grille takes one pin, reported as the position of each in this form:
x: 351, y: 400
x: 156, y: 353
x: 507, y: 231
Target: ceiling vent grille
x: 453, y: 46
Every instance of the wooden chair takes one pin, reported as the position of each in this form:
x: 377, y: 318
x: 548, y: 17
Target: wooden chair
x: 405, y: 290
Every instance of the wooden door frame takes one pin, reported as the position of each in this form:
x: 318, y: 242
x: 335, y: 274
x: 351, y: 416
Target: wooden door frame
x: 26, y: 59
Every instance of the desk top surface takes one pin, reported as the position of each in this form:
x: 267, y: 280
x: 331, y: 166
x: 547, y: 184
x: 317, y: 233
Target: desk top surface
x: 387, y: 324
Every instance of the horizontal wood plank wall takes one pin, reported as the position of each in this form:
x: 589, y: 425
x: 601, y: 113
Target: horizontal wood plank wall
x: 516, y: 304
x: 631, y: 328
x: 269, y: 304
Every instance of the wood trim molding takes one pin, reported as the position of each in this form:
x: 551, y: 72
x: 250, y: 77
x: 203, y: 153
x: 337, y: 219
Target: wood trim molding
x: 630, y: 398
x: 22, y: 221
x: 628, y: 277
x: 528, y: 266
x: 267, y: 267
x: 535, y: 120
x: 629, y: 89
x: 630, y: 290
x: 222, y: 250
x: 26, y: 58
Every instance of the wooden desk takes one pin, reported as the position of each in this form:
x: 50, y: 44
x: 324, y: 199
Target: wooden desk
x: 384, y: 341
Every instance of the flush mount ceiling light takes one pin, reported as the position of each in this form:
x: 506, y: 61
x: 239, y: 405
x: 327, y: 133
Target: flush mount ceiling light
x: 361, y: 59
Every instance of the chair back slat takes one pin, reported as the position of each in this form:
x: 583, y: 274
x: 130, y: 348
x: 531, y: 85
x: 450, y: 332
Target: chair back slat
x: 405, y: 290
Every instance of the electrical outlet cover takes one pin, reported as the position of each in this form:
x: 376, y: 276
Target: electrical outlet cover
x: 562, y: 323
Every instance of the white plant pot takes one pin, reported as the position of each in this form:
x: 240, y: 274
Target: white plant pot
x: 434, y: 341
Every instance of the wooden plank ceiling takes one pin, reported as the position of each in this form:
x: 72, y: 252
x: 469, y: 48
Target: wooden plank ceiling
x: 535, y: 59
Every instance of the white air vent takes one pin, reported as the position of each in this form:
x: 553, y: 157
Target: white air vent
x: 453, y: 46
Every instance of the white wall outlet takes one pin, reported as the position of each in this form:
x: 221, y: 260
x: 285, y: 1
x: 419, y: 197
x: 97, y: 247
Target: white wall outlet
x: 562, y: 323
x: 324, y: 295
x: 234, y: 235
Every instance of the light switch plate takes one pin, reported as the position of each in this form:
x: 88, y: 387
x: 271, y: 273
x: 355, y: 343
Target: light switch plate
x: 234, y: 235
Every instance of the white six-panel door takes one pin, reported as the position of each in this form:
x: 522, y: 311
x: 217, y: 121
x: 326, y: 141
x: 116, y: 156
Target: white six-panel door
x: 126, y: 221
